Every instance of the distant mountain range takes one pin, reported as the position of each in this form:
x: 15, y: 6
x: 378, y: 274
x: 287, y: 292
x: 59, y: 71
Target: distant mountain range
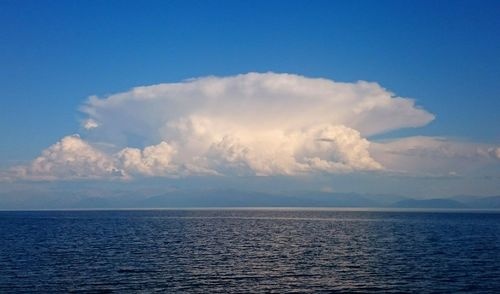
x: 235, y: 198
x: 429, y: 203
x: 492, y: 202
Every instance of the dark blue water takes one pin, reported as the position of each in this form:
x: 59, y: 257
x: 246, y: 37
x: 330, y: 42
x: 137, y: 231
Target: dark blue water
x: 249, y: 251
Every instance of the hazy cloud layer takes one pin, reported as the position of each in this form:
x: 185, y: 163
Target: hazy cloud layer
x: 251, y: 124
x: 435, y: 155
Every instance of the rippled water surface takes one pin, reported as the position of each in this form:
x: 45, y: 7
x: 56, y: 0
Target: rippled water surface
x: 249, y: 251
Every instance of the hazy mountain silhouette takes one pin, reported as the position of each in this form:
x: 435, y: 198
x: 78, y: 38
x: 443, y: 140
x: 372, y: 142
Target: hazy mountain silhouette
x: 491, y: 202
x: 429, y: 203
x: 231, y: 198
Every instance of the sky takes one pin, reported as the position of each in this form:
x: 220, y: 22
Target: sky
x: 397, y: 97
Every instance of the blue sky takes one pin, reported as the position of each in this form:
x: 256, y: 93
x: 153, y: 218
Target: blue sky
x: 55, y: 54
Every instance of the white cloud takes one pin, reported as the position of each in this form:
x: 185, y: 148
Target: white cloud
x: 70, y: 158
x: 152, y: 161
x: 89, y: 124
x: 250, y: 124
x: 253, y: 102
x: 322, y: 148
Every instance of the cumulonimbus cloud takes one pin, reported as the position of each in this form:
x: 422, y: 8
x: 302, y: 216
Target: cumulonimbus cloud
x: 249, y: 124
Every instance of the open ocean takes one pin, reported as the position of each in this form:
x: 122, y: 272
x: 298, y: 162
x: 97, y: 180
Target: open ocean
x: 249, y: 251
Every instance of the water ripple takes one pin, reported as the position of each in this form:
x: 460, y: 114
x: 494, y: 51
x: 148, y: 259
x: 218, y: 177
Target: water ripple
x: 249, y: 251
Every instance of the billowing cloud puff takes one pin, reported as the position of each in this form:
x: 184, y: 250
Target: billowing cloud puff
x: 70, y: 158
x: 250, y: 124
x: 324, y: 148
x: 153, y: 160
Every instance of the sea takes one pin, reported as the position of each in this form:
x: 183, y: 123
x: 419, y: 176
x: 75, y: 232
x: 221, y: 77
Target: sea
x: 271, y: 250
